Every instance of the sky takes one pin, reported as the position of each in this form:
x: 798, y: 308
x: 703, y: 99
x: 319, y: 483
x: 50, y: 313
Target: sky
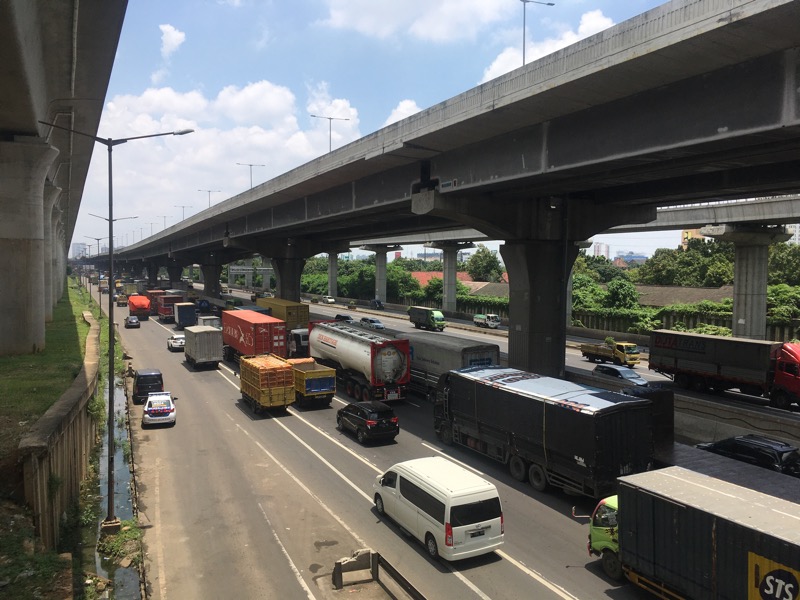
x: 247, y: 75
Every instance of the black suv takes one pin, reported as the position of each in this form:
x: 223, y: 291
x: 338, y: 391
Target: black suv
x: 760, y: 451
x: 146, y: 381
x: 368, y: 420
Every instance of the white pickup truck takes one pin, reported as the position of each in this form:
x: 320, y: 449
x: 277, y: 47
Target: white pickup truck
x: 491, y: 321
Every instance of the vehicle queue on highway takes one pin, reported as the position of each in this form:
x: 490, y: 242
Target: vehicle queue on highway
x: 419, y: 424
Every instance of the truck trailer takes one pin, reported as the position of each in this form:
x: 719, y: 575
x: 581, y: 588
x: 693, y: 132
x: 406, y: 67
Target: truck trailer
x: 166, y: 307
x: 248, y: 333
x: 294, y: 314
x: 434, y: 355
x: 313, y: 383
x: 549, y: 431
x: 681, y: 534
x: 266, y: 382
x: 369, y: 366
x: 203, y: 347
x: 717, y: 363
x: 185, y: 314
x: 139, y: 306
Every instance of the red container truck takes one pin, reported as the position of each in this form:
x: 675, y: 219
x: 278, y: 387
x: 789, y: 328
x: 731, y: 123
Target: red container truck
x: 153, y: 295
x: 248, y: 333
x: 139, y: 306
x: 166, y: 307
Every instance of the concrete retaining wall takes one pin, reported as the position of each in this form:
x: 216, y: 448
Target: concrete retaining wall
x: 55, y: 452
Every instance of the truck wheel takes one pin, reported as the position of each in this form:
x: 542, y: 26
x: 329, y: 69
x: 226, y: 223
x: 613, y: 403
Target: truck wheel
x: 348, y: 388
x: 366, y: 396
x: 446, y: 435
x: 357, y: 392
x: 681, y: 380
x: 379, y: 504
x: 612, y: 565
x: 518, y: 468
x: 537, y: 477
x: 780, y: 400
x: 431, y: 547
x: 416, y: 325
x: 617, y: 362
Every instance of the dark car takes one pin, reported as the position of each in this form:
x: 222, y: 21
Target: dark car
x: 345, y: 318
x: 132, y: 321
x: 619, y: 374
x: 146, y: 381
x: 371, y: 420
x: 760, y: 451
x: 376, y: 304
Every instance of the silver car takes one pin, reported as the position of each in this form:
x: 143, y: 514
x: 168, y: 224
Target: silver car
x: 619, y: 375
x: 176, y: 343
x: 371, y: 323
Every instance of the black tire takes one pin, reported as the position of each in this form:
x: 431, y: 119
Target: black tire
x: 348, y: 388
x: 447, y: 434
x: 357, y: 392
x: 366, y: 395
x: 339, y: 424
x: 361, y: 436
x: 780, y: 400
x: 537, y: 477
x: 612, y: 565
x: 431, y: 546
x: 518, y: 468
x: 379, y: 505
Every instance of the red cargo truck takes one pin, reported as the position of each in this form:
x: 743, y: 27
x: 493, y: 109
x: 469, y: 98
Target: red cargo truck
x: 248, y: 333
x: 139, y: 306
x: 153, y: 295
x: 166, y: 307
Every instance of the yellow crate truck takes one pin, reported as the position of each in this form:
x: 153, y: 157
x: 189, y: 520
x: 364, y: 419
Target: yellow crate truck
x: 295, y: 314
x: 266, y: 381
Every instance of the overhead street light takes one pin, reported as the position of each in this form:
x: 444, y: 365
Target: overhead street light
x: 183, y: 208
x: 111, y: 522
x: 330, y: 119
x: 209, y: 195
x: 165, y: 217
x: 524, y: 6
x: 251, y: 171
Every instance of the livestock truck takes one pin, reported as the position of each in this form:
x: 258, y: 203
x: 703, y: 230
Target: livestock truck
x: 185, y: 314
x: 139, y: 306
x: 294, y: 314
x: 426, y: 318
x: 313, y: 383
x: 549, y: 431
x: 266, y: 382
x: 247, y: 333
x: 717, y: 363
x: 368, y: 366
x: 681, y: 534
x: 434, y: 355
x: 619, y: 353
x: 203, y: 347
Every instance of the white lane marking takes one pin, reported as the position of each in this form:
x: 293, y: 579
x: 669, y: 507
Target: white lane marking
x: 162, y: 578
x: 295, y: 570
x: 556, y: 589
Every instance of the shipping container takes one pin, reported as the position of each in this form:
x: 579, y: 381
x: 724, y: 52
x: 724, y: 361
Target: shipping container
x: 185, y: 314
x: 294, y: 314
x: 249, y: 333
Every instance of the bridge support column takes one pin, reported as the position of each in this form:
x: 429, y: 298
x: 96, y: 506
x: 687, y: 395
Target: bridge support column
x: 333, y: 274
x: 287, y: 274
x: 537, y: 275
x: 380, y: 251
x: 152, y: 273
x: 450, y: 265
x: 24, y: 163
x: 59, y: 258
x: 51, y: 194
x: 248, y: 275
x: 751, y: 243
x: 211, y: 274
x: 174, y: 272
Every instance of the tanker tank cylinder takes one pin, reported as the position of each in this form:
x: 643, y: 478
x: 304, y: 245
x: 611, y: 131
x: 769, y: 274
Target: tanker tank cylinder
x: 391, y: 364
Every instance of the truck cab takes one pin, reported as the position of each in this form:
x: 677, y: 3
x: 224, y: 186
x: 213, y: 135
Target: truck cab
x: 604, y: 536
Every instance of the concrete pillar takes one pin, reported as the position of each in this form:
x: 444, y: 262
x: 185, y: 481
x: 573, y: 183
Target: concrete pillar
x: 287, y: 274
x: 380, y: 251
x: 537, y: 274
x: 191, y: 272
x: 60, y: 258
x: 248, y: 275
x: 450, y: 252
x: 152, y: 274
x: 211, y: 275
x: 751, y: 244
x: 333, y: 274
x: 174, y: 272
x: 50, y: 211
x: 24, y: 163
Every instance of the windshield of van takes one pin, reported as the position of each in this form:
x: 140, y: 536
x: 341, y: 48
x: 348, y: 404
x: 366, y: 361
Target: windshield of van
x: 475, y: 512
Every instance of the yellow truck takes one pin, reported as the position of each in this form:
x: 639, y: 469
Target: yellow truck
x: 294, y: 314
x: 619, y: 353
x: 313, y: 383
x: 266, y: 382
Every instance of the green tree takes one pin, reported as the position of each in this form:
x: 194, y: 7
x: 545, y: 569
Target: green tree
x: 622, y: 294
x: 586, y: 293
x: 784, y: 264
x: 484, y: 265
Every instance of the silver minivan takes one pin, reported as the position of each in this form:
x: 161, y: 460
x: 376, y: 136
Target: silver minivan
x: 454, y: 512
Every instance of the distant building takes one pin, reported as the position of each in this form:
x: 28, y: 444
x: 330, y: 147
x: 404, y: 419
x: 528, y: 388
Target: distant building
x: 79, y: 249
x: 430, y: 256
x: 629, y: 259
x: 601, y: 249
x: 795, y: 231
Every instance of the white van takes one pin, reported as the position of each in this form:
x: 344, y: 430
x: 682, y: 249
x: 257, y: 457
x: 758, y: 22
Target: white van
x: 453, y: 511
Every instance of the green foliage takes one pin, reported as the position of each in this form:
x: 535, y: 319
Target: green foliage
x: 586, y: 293
x: 784, y: 264
x: 621, y: 294
x: 484, y: 265
x: 712, y: 330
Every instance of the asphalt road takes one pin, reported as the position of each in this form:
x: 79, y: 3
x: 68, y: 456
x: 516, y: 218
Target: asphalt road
x: 261, y: 507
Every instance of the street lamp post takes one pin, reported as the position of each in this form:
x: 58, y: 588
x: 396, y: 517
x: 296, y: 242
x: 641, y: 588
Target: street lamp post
x: 251, y: 173
x: 209, y: 195
x: 151, y: 228
x: 165, y: 219
x: 111, y: 523
x: 524, y: 29
x: 330, y: 132
x: 183, y: 208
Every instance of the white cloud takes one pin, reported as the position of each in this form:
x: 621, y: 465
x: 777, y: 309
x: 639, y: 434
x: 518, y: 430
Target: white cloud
x: 171, y: 40
x: 440, y: 21
x: 405, y: 108
x: 510, y: 58
x: 261, y: 103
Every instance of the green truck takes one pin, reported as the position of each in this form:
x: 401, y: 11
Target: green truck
x: 426, y: 318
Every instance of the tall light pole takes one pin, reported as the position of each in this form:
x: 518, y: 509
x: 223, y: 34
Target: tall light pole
x: 111, y: 522
x: 524, y: 28
x: 151, y: 228
x: 209, y: 195
x: 183, y: 208
x: 251, y: 171
x: 97, y: 240
x: 165, y: 219
x: 330, y: 131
